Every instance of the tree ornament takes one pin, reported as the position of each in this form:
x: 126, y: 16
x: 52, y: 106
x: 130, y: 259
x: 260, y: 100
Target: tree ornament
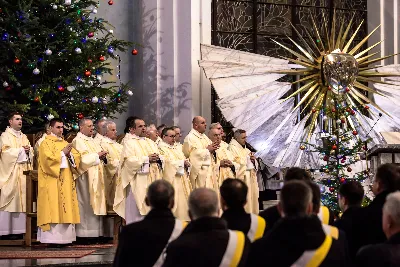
x: 329, y: 88
x: 36, y: 71
x: 343, y: 120
x: 355, y: 132
x: 102, y: 58
x: 331, y: 189
x: 302, y: 147
x: 70, y: 88
x: 326, y: 170
x: 50, y: 117
x: 75, y: 127
x: 94, y: 11
x: 90, y: 83
x: 349, y: 169
x: 352, y: 112
x: 134, y: 52
x: 333, y: 110
x: 95, y: 99
x: 366, y: 107
x: 110, y: 50
x: 342, y: 180
x: 334, y: 147
x: 357, y: 158
x: 61, y: 88
x: 118, y: 100
x: 55, y: 7
x: 314, y: 110
x: 68, y: 2
x: 338, y: 121
x: 36, y: 99
x: 17, y: 61
x: 5, y: 84
x: 88, y: 73
x: 343, y: 161
x: 90, y: 60
x: 8, y: 88
x: 322, y: 188
x: 111, y: 31
x: 80, y: 116
x: 78, y: 50
x: 326, y: 158
x: 111, y: 2
x: 347, y: 89
x: 48, y: 52
x: 99, y: 77
x: 90, y: 34
x: 332, y: 152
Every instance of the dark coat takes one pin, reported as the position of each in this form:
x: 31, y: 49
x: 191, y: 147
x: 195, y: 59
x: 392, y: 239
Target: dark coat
x: 202, y: 243
x: 141, y: 243
x: 386, y: 254
x: 237, y: 219
x: 290, y: 238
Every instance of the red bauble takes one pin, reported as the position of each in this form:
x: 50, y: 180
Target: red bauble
x: 111, y: 2
x: 349, y: 169
x: 366, y: 107
x: 343, y: 161
x: 37, y: 99
x: 342, y: 180
x: 88, y: 73
x: 90, y: 34
x: 347, y: 89
x: 8, y: 88
x: 352, y: 112
x: 326, y: 158
x: 80, y: 116
x: 355, y: 132
x: 134, y: 52
x: 17, y: 61
x: 333, y: 110
x: 90, y: 60
x: 314, y: 110
x: 343, y: 120
x: 61, y: 88
x: 348, y: 109
x: 118, y: 100
x: 329, y: 88
x: 332, y: 189
x: 334, y: 147
x: 102, y: 58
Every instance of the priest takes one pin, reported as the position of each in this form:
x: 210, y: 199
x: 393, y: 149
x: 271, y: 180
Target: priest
x: 58, y: 210
x: 99, y: 131
x: 90, y: 184
x: 176, y: 168
x: 15, y: 157
x: 198, y: 148
x: 141, y: 165
x: 247, y: 171
x: 224, y: 167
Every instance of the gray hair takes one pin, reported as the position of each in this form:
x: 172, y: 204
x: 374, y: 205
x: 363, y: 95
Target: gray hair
x: 237, y: 133
x: 83, y: 121
x: 214, y: 125
x: 392, y: 207
x: 151, y: 126
x: 203, y: 202
x: 104, y: 128
x: 100, y: 129
x: 160, y: 193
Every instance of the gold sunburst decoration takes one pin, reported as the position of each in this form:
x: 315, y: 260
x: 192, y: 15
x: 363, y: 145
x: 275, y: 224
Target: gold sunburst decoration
x: 334, y: 73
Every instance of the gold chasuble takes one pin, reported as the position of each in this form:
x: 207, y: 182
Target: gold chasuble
x: 248, y: 173
x: 114, y: 151
x: 195, y: 148
x: 175, y: 173
x: 13, y: 162
x: 223, y: 173
x: 136, y: 173
x: 57, y: 199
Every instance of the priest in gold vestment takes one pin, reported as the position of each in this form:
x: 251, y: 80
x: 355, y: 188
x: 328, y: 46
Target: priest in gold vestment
x: 90, y: 184
x: 198, y: 148
x: 176, y: 172
x: 47, y: 131
x: 15, y: 157
x: 247, y: 170
x: 141, y: 164
x: 58, y: 210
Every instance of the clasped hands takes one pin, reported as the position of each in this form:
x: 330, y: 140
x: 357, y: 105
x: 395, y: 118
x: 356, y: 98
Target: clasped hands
x: 153, y: 158
x: 26, y: 148
x: 214, y: 146
x: 225, y: 163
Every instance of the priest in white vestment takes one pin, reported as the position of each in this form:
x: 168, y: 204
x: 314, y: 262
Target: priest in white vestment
x: 176, y: 168
x: 178, y: 136
x: 248, y: 168
x: 90, y: 184
x: 98, y: 138
x: 198, y: 148
x: 152, y: 133
x: 16, y: 156
x: 141, y: 164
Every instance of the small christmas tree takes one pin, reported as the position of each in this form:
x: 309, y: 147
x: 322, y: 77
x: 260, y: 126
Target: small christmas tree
x: 54, y: 56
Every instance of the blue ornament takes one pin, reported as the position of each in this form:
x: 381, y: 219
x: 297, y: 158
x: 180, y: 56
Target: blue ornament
x: 97, y: 72
x: 40, y: 59
x: 111, y: 50
x: 4, y: 37
x: 322, y: 189
x: 51, y: 35
x: 83, y: 40
x: 68, y: 21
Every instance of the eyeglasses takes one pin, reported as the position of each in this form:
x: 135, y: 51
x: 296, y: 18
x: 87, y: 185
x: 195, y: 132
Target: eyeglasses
x: 172, y: 136
x: 59, y: 127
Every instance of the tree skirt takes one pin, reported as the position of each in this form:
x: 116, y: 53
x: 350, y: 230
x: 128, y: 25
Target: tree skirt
x: 44, y: 254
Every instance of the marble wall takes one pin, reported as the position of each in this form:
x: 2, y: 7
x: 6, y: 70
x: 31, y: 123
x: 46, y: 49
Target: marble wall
x: 168, y: 85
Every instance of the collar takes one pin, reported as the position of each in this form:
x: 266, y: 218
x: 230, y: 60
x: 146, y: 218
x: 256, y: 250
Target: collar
x: 236, y: 143
x: 82, y: 136
x: 54, y: 137
x: 108, y: 140
x: 162, y: 143
x: 206, y: 224
x: 196, y: 133
x: 99, y: 136
x: 159, y: 213
x: 14, y: 132
x: 134, y: 136
x: 394, y: 239
x: 234, y: 212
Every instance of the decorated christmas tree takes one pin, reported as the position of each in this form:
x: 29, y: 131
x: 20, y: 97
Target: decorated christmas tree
x: 54, y: 54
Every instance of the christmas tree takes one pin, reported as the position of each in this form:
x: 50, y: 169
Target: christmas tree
x: 54, y: 54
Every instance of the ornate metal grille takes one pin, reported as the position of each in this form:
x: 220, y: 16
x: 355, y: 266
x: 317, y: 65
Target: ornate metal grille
x: 249, y: 25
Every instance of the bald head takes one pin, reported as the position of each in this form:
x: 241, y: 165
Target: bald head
x: 203, y: 202
x: 199, y: 124
x: 214, y: 135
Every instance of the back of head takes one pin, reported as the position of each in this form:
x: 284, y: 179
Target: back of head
x: 160, y: 195
x: 316, y: 196
x: 392, y: 208
x: 296, y: 198
x: 389, y: 177
x: 203, y: 202
x: 234, y: 193
x: 353, y: 192
x: 296, y: 173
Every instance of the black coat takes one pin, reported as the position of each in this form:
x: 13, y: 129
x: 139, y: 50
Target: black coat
x: 386, y: 254
x: 237, y: 219
x: 348, y: 223
x: 141, y: 243
x: 289, y: 239
x: 202, y: 244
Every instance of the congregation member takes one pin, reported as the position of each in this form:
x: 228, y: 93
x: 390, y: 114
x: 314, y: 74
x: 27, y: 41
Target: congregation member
x: 90, y: 184
x: 233, y: 199
x: 143, y: 243
x: 16, y: 156
x: 152, y: 133
x: 224, y: 166
x: 387, y: 253
x: 198, y: 148
x: 298, y: 239
x: 141, y: 165
x: 57, y: 172
x: 99, y: 131
x: 369, y: 221
x: 206, y: 241
x: 350, y: 197
x: 248, y: 168
x: 176, y: 168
